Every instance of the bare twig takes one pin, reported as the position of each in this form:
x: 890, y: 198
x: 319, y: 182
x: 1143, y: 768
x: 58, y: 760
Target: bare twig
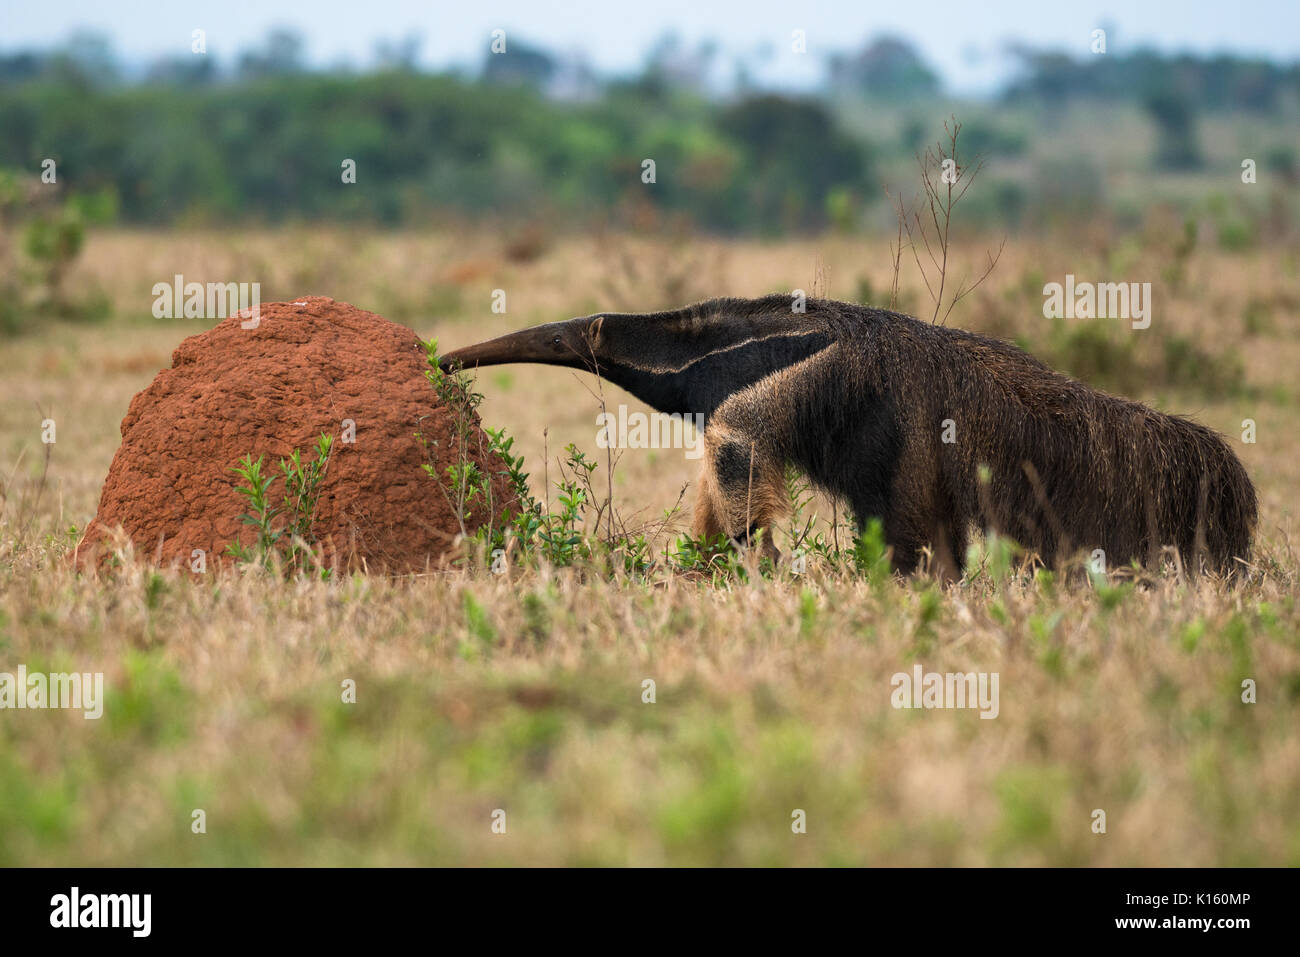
x: 944, y: 182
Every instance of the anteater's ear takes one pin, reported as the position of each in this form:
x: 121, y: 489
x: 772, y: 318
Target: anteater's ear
x: 594, y: 331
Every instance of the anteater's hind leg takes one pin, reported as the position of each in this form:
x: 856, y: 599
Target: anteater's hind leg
x: 905, y: 532
x: 910, y: 530
x: 921, y: 514
x: 742, y: 488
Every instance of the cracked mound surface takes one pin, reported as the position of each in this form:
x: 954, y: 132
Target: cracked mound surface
x: 308, y: 366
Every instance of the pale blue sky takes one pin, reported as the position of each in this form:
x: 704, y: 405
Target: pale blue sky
x: 964, y: 40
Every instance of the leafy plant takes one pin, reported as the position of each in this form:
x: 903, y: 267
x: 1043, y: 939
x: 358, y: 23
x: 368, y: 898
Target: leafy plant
x: 53, y: 243
x: 871, y: 554
x: 528, y: 528
x: 709, y: 554
x: 285, y: 529
x: 50, y: 233
x: 563, y: 542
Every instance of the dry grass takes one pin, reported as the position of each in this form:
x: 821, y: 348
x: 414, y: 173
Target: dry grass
x: 476, y: 693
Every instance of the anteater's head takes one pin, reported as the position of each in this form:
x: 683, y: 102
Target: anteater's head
x: 575, y: 343
x: 736, y: 334
x: 687, y: 360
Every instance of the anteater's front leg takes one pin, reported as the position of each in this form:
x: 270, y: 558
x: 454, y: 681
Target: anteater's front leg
x: 742, y: 489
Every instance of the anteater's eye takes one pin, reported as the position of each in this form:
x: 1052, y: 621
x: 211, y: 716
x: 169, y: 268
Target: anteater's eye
x: 556, y: 340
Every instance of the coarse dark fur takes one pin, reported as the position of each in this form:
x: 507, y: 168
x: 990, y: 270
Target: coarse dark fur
x: 933, y: 430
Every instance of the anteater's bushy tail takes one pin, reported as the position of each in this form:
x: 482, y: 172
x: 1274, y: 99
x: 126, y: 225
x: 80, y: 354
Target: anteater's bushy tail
x: 1096, y: 471
x: 1205, y: 498
x: 1144, y: 480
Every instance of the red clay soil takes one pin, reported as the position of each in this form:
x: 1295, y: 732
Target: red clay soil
x: 308, y: 366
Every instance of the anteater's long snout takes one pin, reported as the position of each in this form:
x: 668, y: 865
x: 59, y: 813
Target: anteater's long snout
x: 549, y: 344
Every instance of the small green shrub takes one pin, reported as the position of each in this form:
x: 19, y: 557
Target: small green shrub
x: 286, y: 535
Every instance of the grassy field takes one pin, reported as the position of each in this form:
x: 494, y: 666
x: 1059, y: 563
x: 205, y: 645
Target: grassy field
x: 477, y: 693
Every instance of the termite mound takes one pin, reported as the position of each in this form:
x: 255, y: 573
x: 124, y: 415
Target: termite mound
x: 267, y: 385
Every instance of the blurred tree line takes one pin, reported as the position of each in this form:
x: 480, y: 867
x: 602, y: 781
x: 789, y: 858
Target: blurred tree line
x: 268, y: 140
x: 530, y: 134
x: 1219, y: 82
x: 1171, y: 89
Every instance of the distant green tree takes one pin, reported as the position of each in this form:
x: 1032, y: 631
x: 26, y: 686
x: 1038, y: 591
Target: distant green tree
x: 888, y: 67
x: 520, y: 64
x: 1175, y: 120
x: 795, y: 156
x: 281, y: 53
